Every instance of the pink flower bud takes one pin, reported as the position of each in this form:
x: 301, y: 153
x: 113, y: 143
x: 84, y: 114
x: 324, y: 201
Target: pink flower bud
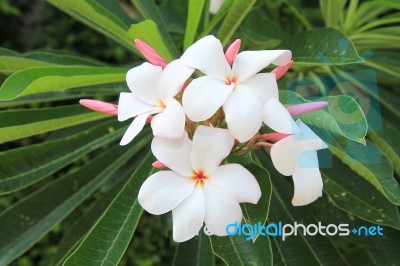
x: 99, y: 106
x: 279, y: 71
x: 158, y: 164
x: 305, y: 108
x: 232, y: 51
x: 274, y: 137
x: 150, y: 54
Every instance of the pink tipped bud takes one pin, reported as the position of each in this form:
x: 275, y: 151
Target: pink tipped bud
x: 232, y: 51
x: 279, y: 71
x: 274, y: 137
x: 305, y: 108
x: 150, y: 54
x: 99, y: 106
x: 149, y: 118
x: 158, y: 164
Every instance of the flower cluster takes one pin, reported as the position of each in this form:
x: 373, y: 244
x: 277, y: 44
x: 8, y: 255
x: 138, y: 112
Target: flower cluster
x: 202, y: 107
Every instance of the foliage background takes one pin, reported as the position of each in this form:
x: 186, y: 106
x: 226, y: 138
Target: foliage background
x: 32, y: 25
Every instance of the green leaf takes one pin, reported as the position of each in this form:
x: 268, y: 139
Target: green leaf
x: 262, y: 30
x: 98, y: 17
x: 74, y: 235
x: 321, y: 47
x: 233, y: 19
x: 30, y: 219
x: 353, y: 194
x: 147, y: 31
x: 372, y: 165
x: 57, y: 78
x: 193, y: 20
x: 107, y: 241
x: 197, y: 251
x: 17, y: 124
x: 343, y: 117
x: 254, y: 213
x: 24, y: 166
x: 236, y: 250
x: 11, y: 61
x: 98, y: 92
x: 332, y: 11
x: 387, y: 140
x: 150, y: 11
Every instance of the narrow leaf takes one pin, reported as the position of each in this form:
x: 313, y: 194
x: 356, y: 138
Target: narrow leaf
x: 107, y: 241
x: 193, y: 20
x: 58, y: 78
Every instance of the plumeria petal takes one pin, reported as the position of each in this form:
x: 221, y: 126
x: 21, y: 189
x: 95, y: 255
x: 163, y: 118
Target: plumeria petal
x: 130, y: 106
x: 210, y: 147
x: 188, y: 216
x: 207, y: 55
x: 263, y: 85
x: 284, y: 155
x: 171, y: 122
x: 174, y: 153
x: 278, y: 118
x: 142, y: 81
x: 163, y: 191
x: 221, y: 209
x: 173, y: 78
x: 308, y: 138
x: 305, y: 108
x: 243, y: 112
x: 307, y: 179
x: 99, y: 106
x: 203, y: 96
x: 237, y: 181
x: 215, y: 5
x: 279, y: 71
x: 135, y: 127
x: 150, y: 54
x: 248, y: 63
x: 232, y: 51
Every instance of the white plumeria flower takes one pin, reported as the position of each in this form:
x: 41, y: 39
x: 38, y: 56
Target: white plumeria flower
x: 198, y: 189
x: 296, y: 155
x: 247, y: 98
x: 215, y: 5
x: 152, y: 92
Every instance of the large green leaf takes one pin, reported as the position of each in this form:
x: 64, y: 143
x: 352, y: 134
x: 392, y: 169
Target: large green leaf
x: 236, y: 250
x: 387, y: 140
x: 254, y: 213
x: 147, y: 31
x: 107, y: 241
x: 193, y: 20
x: 320, y: 47
x: 197, y: 251
x: 150, y: 11
x: 262, y: 30
x: 28, y: 220
x: 343, y: 116
x: 235, y: 16
x: 372, y: 165
x: 351, y: 193
x: 11, y: 61
x: 26, y: 165
x: 97, y: 92
x: 98, y: 17
x: 17, y: 124
x: 57, y: 78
